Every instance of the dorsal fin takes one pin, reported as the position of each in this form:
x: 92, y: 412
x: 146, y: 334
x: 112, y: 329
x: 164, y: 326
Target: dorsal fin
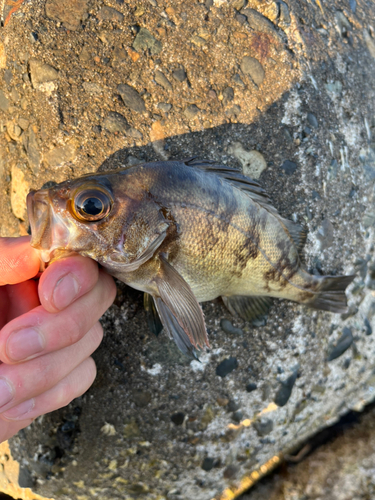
x: 251, y: 187
x: 297, y: 232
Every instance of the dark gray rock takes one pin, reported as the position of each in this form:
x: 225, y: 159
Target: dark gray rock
x: 289, y: 167
x: 228, y: 95
x: 208, y: 464
x: 164, y: 106
x: 134, y: 133
x: 233, y: 111
x: 251, y: 386
x: 145, y: 40
x: 283, y: 394
x: 115, y: 122
x: 191, y: 111
x: 141, y: 398
x: 25, y: 479
x: 312, y: 120
x: 131, y: 98
x: 226, y: 366
x: 233, y: 405
x: 368, y: 327
x: 110, y: 14
x: 231, y: 471
x: 179, y: 74
x: 259, y: 23
x: 4, y: 102
x: 8, y: 76
x: 240, y: 18
x: 342, y: 345
x: 178, y: 418
x: 237, y: 80
x: 31, y: 147
x: 228, y: 328
x: 263, y: 426
x: 162, y: 80
x: 237, y: 416
x: 252, y: 67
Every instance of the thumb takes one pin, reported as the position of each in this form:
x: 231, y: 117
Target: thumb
x: 18, y: 260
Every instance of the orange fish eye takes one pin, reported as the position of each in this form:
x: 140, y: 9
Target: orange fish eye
x: 91, y: 204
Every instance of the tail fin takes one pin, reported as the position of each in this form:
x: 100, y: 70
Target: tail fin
x: 331, y: 294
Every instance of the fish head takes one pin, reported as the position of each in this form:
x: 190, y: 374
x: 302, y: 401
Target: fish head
x: 86, y: 216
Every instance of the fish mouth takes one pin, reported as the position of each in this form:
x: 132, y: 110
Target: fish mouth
x: 49, y: 234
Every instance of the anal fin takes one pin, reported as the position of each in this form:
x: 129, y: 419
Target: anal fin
x: 248, y: 307
x: 153, y: 320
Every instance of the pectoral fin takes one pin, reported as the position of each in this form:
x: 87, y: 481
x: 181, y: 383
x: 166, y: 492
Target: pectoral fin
x: 174, y: 330
x: 182, y: 316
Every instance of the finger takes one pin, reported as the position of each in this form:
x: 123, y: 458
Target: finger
x: 9, y: 428
x: 18, y: 260
x: 22, y: 297
x: 66, y: 280
x: 39, y: 332
x: 31, y: 379
x: 70, y: 387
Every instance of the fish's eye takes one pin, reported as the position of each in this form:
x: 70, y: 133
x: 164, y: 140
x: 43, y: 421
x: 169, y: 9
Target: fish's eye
x: 91, y: 205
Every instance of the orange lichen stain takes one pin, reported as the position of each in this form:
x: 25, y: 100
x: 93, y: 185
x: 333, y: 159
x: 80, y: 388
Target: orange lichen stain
x: 15, y: 6
x: 134, y: 56
x: 247, y: 422
x: 157, y: 132
x: 9, y: 472
x: 249, y: 481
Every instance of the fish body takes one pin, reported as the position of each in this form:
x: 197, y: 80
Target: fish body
x: 184, y: 232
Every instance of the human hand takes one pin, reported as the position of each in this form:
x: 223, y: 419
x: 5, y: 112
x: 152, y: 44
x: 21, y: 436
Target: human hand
x: 48, y: 332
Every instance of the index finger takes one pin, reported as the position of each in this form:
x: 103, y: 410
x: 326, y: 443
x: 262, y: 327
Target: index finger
x: 18, y: 260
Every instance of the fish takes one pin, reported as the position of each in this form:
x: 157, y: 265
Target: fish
x: 183, y: 232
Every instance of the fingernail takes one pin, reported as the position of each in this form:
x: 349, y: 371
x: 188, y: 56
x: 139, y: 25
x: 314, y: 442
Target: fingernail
x: 6, y: 392
x: 65, y: 292
x: 20, y: 410
x: 24, y: 343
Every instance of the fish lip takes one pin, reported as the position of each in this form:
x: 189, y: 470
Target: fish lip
x: 38, y: 210
x: 49, y: 234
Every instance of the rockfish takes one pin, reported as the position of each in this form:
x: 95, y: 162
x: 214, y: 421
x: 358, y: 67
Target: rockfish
x: 183, y: 232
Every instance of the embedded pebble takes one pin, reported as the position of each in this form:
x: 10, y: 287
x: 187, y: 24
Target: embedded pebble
x: 233, y: 405
x: 237, y: 416
x: 226, y: 367
x: 227, y: 326
x: 110, y: 14
x: 263, y: 426
x: 164, y: 106
x: 70, y: 13
x: 368, y: 327
x: 251, y: 386
x: 237, y: 80
x: 131, y: 98
x: 208, y: 463
x: 325, y: 234
x: 135, y: 134
x: 92, y: 88
x: 23, y: 123
x: 342, y: 345
x: 233, y: 111
x: 252, y: 67
x: 312, y: 120
x: 115, y: 122
x: 4, y: 102
x: 283, y: 394
x: 58, y: 156
x: 141, y: 398
x: 231, y: 471
x: 284, y: 16
x: 253, y: 162
x: 18, y: 191
x: 228, y: 95
x: 162, y: 80
x: 179, y: 74
x: 8, y: 76
x: 31, y: 146
x: 289, y: 167
x: 191, y: 111
x: 41, y: 73
x: 14, y: 130
x: 178, y: 418
x: 145, y: 40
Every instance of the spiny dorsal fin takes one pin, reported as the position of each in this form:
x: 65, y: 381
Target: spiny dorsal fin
x: 251, y: 187
x: 297, y: 232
